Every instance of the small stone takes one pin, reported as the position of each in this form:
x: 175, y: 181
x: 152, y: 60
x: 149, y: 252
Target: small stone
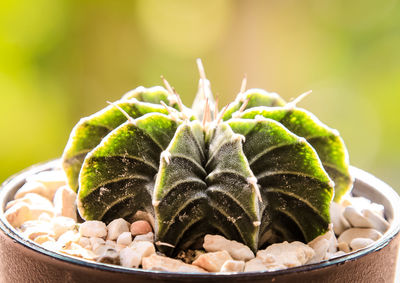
x: 66, y: 239
x: 143, y: 248
x: 355, y: 218
x: 378, y: 209
x: 22, y: 212
x: 321, y: 249
x: 255, y: 264
x: 132, y: 256
x: 129, y: 258
x: 62, y: 224
x: 64, y: 202
x: 52, y: 180
x: 140, y: 227
x: 344, y: 247
x: 17, y: 214
x: 111, y: 243
x: 110, y: 256
x: 116, y: 227
x: 376, y: 220
x: 233, y: 266
x: 31, y: 187
x: 96, y: 242
x: 212, y: 261
x: 162, y: 263
x: 119, y: 247
x: 45, y: 217
x: 93, y: 228
x: 43, y: 238
x: 322, y: 245
x: 40, y: 230
x: 149, y: 237
x: 287, y: 254
x: 340, y: 223
x: 352, y: 233
x: 32, y: 199
x: 238, y: 251
x: 358, y: 202
x: 36, y: 211
x: 76, y: 250
x: 124, y: 239
x: 84, y: 242
x: 35, y: 224
x: 143, y: 215
x: 360, y: 243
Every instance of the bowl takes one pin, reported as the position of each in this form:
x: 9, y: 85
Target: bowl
x: 22, y: 260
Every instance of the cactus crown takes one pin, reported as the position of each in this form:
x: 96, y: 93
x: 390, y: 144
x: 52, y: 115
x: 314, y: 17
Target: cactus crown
x: 259, y: 171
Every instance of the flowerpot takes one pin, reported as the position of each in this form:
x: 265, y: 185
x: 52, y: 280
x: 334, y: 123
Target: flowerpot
x: 24, y: 261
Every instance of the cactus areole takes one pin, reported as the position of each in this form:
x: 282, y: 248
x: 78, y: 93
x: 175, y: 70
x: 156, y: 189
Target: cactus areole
x: 259, y: 171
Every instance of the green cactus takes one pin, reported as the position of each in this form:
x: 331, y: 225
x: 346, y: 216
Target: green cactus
x: 258, y: 172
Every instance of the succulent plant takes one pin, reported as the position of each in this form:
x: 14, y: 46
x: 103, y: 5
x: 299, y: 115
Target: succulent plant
x: 259, y: 171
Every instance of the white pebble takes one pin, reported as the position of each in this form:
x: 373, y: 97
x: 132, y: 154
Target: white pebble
x: 287, y: 254
x: 93, y: 228
x: 360, y: 243
x: 52, y: 180
x: 84, y: 242
x: 17, y: 214
x: 212, y: 261
x: 255, y: 264
x: 162, y: 263
x: 62, y: 224
x: 129, y: 258
x: 144, y: 248
x: 67, y: 238
x: 376, y: 220
x: 76, y: 250
x: 322, y: 245
x: 33, y: 199
x: 344, y: 247
x: 111, y: 243
x: 35, y: 231
x: 355, y: 218
x: 64, y: 202
x: 132, y: 256
x: 31, y: 187
x: 357, y: 202
x: 149, y: 237
x: 116, y: 228
x: 320, y: 248
x: 45, y: 218
x: 96, y: 242
x: 340, y: 223
x: 124, y: 239
x: 352, y: 233
x: 233, y: 266
x: 238, y: 251
x: 43, y: 238
x: 378, y: 209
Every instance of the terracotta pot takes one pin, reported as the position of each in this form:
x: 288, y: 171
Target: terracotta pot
x: 24, y: 261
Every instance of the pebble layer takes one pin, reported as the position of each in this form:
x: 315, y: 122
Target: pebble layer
x: 44, y: 211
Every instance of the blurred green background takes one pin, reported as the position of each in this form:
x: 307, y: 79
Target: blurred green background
x: 62, y: 60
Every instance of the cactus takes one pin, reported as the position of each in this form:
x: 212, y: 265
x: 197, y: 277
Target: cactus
x: 259, y: 171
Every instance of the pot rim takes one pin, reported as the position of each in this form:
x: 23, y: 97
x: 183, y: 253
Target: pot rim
x: 19, y: 178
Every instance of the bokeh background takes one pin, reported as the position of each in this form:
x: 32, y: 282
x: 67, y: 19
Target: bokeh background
x: 61, y: 60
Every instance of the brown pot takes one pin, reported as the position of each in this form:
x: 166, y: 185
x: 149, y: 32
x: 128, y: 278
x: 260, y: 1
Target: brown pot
x: 24, y: 261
